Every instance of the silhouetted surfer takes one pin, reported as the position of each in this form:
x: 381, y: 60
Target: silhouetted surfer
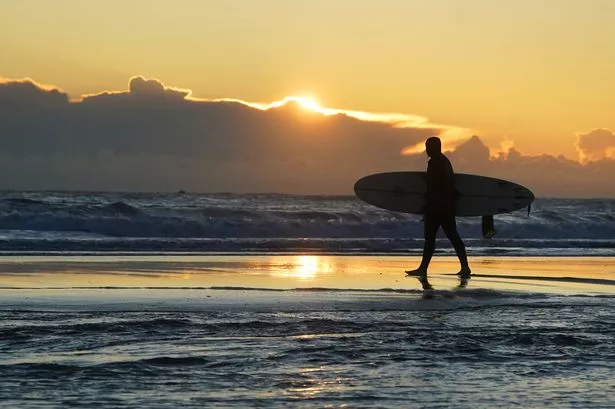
x: 440, y: 208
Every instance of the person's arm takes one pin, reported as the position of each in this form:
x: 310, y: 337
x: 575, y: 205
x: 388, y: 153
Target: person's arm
x: 434, y: 182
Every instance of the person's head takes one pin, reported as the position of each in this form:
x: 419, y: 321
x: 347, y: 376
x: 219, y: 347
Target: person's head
x: 433, y: 146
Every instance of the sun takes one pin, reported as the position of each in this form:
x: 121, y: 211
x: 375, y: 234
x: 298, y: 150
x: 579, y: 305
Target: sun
x: 307, y: 103
x: 304, y: 103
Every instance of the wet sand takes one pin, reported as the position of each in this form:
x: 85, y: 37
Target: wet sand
x: 254, y: 280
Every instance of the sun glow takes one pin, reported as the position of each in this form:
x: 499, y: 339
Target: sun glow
x: 309, y: 104
x: 396, y: 120
x: 141, y: 86
x: 304, y: 267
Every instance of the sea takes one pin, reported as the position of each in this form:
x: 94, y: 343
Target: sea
x: 80, y: 223
x: 254, y: 344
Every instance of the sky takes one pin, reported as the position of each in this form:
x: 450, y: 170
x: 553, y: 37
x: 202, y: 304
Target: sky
x: 532, y: 79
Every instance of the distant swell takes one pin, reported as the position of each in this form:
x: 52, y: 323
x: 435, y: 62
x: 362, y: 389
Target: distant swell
x: 115, y: 222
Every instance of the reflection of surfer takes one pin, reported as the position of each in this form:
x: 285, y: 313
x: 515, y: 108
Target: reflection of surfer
x: 428, y: 292
x: 440, y: 208
x: 425, y: 283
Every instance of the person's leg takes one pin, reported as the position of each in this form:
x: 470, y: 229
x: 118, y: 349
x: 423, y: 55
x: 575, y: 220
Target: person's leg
x: 431, y: 225
x: 449, y: 225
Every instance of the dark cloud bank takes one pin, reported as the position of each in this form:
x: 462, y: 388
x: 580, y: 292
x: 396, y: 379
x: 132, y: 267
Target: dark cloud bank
x: 155, y: 138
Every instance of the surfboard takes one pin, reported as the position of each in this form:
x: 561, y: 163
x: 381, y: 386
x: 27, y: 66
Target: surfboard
x: 478, y: 195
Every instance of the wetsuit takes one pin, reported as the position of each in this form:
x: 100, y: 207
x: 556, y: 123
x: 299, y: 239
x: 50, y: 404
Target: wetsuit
x: 440, y: 209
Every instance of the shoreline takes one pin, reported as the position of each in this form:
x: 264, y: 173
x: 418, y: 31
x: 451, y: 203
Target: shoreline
x: 561, y: 275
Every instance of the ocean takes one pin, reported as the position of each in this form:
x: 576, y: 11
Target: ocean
x: 121, y: 300
x: 62, y: 222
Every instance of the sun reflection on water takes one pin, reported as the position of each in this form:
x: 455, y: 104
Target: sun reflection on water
x: 304, y: 267
x: 312, y: 382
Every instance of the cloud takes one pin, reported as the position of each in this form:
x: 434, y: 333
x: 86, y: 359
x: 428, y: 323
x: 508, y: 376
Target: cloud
x: 19, y: 95
x: 595, y: 145
x: 154, y: 137
x: 139, y: 86
x: 545, y: 175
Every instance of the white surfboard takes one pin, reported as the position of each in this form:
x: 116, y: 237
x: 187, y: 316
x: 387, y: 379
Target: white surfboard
x: 478, y: 195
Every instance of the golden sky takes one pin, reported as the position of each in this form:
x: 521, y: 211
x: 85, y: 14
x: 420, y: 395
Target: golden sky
x: 534, y: 72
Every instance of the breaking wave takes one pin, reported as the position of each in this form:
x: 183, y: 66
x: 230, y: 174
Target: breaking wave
x: 52, y: 221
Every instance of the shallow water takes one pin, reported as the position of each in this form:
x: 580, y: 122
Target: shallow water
x: 547, y: 351
x: 151, y: 343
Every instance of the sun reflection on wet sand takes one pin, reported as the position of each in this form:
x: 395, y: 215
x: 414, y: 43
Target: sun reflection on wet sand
x: 553, y: 274
x: 304, y: 267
